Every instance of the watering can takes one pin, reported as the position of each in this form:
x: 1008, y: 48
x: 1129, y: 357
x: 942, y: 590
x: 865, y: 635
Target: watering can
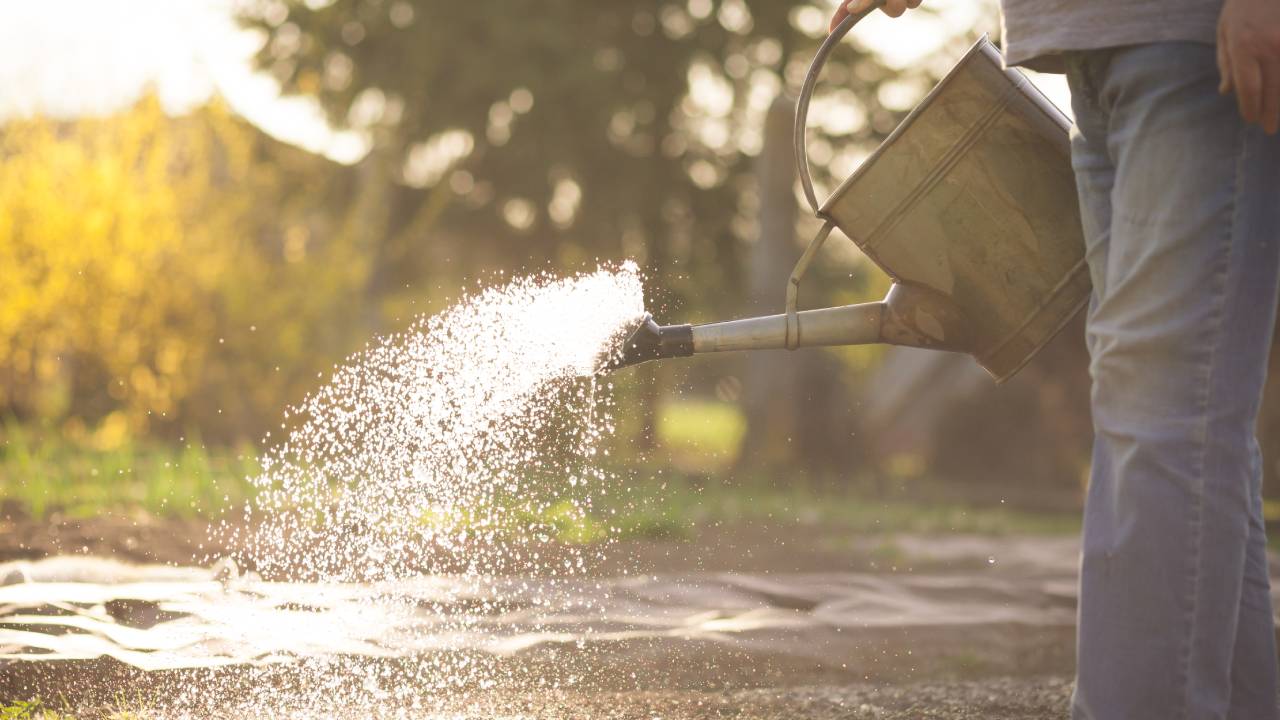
x: 969, y: 206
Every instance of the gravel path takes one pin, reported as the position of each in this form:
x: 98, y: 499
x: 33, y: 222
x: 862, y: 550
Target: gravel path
x: 1041, y: 698
x: 948, y: 635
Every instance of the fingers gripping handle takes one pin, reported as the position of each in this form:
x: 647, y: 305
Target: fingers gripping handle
x: 806, y: 94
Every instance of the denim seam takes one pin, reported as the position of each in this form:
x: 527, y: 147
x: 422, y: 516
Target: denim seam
x: 1197, y: 520
x: 1088, y: 79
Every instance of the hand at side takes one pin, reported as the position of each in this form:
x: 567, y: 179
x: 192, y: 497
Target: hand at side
x: 1249, y: 59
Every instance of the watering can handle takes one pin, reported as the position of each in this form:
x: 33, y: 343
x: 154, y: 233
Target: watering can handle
x: 802, y: 164
x: 806, y: 93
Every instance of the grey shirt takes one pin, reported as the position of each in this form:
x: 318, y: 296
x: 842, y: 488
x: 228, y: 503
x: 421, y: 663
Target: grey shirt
x: 1037, y: 32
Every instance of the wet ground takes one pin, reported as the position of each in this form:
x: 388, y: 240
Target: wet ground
x: 751, y: 622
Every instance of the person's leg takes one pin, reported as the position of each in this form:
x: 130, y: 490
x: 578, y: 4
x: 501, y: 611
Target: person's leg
x: 1095, y: 179
x: 1251, y: 687
x: 1179, y: 334
x: 1095, y: 173
x: 1094, y: 168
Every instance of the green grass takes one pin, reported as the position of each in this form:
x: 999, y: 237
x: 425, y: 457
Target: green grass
x: 701, y: 438
x: 188, y: 480
x: 706, y: 425
x: 30, y: 710
x: 43, y: 473
x: 676, y: 507
x: 676, y: 504
x: 560, y: 520
x: 37, y: 710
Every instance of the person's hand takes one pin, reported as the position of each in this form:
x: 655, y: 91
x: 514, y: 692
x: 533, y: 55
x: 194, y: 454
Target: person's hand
x: 892, y: 8
x: 1249, y: 59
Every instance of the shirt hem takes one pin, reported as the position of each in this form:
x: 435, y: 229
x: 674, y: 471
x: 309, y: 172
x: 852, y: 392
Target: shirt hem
x: 1039, y: 45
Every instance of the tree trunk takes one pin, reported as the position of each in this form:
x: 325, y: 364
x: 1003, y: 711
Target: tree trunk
x: 368, y: 226
x: 772, y: 377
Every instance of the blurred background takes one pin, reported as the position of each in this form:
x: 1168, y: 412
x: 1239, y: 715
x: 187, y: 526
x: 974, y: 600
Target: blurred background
x: 206, y: 204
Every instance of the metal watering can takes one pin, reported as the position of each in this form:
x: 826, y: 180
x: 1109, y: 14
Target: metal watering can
x: 969, y: 206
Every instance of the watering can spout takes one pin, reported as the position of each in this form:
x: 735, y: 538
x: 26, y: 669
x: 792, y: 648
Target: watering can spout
x: 909, y: 315
x: 651, y: 341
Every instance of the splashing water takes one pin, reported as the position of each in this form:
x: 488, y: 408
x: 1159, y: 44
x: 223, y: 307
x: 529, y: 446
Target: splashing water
x: 460, y: 447
x: 435, y: 439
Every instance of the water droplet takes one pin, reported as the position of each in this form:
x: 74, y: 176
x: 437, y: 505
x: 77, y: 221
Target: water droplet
x: 428, y: 451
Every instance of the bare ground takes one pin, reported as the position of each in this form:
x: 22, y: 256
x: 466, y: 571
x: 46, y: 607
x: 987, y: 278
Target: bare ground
x: 744, y: 547
x: 924, y: 671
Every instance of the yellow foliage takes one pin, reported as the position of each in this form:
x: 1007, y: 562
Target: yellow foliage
x: 131, y: 247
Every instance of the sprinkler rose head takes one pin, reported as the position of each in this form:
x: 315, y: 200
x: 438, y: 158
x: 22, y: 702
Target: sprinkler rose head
x: 651, y: 341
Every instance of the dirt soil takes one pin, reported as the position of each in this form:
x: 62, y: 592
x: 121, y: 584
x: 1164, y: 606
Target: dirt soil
x: 914, y: 669
x: 745, y: 547
x: 1022, y: 697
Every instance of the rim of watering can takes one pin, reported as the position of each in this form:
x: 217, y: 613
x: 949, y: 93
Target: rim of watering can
x: 1018, y: 83
x: 983, y: 45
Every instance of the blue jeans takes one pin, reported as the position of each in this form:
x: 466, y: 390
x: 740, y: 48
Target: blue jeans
x: 1181, y: 208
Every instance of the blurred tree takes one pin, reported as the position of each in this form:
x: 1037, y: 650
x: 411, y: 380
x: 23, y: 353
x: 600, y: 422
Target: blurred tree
x: 558, y: 132
x: 772, y: 380
x: 157, y: 273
